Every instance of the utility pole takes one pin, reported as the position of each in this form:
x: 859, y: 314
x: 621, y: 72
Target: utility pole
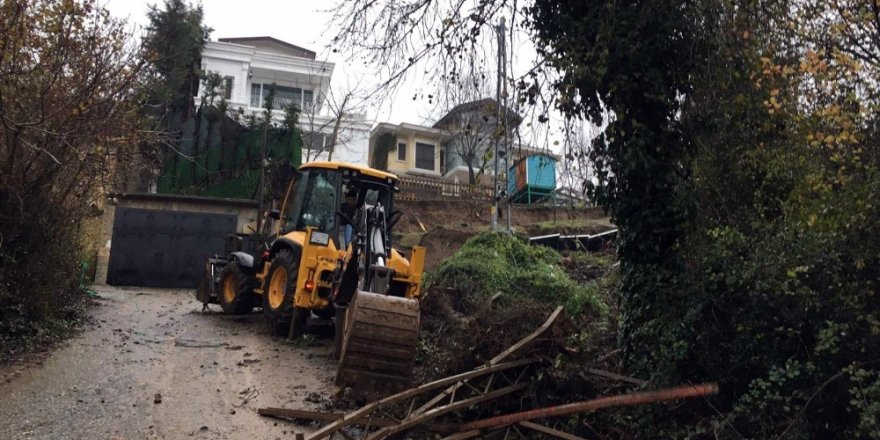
x: 496, y: 136
x: 502, y: 51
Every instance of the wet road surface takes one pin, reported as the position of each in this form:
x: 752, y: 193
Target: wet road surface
x: 153, y: 366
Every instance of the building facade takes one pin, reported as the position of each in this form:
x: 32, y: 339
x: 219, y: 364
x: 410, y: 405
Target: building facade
x: 251, y: 65
x: 418, y: 150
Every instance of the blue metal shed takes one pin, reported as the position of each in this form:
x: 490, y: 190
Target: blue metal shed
x: 532, y: 179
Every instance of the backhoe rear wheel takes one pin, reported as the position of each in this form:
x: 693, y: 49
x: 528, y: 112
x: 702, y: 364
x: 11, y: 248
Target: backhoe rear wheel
x: 279, y: 291
x: 237, y: 289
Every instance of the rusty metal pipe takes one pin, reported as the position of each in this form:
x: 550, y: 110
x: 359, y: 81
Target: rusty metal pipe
x: 676, y: 393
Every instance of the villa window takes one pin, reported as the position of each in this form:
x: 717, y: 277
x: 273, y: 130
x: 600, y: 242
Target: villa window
x: 424, y: 156
x: 307, y: 99
x: 401, y: 152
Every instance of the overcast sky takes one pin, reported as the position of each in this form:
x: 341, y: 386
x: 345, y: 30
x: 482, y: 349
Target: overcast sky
x: 298, y: 22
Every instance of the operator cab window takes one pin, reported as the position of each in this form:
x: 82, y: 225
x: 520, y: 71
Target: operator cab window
x: 316, y: 200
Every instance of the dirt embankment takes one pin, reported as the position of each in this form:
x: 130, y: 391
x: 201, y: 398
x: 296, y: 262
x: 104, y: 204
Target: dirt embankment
x: 443, y: 226
x: 469, y: 215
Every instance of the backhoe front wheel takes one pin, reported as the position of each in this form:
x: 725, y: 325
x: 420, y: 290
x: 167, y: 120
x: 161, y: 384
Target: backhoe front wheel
x: 278, y: 295
x: 237, y: 289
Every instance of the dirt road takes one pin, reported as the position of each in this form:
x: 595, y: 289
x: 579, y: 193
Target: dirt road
x: 154, y: 366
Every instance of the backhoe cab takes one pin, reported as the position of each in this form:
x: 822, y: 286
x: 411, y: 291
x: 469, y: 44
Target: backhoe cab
x: 334, y: 257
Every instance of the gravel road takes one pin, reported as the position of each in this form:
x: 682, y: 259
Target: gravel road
x: 154, y: 366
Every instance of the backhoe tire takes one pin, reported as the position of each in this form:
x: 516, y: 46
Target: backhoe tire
x: 279, y: 290
x: 237, y: 289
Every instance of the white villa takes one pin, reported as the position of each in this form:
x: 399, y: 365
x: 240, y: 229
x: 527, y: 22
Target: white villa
x: 251, y: 65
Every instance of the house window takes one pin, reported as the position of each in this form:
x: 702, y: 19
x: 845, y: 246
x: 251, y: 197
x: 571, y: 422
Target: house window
x: 256, y: 95
x: 227, y: 86
x: 401, y: 152
x: 284, y: 96
x: 424, y: 156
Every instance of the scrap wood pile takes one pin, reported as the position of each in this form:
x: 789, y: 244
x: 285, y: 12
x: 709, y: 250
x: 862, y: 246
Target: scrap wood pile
x: 468, y: 399
x: 491, y: 360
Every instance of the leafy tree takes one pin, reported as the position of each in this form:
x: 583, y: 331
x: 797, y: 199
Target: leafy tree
x: 69, y: 127
x: 743, y: 129
x: 173, y: 46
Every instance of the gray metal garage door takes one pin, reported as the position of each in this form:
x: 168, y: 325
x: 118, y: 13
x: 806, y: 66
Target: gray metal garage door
x: 155, y: 248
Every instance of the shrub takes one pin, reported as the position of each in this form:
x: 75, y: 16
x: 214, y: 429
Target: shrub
x: 496, y: 262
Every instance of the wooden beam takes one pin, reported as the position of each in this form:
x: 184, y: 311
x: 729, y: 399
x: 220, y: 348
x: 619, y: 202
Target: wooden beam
x: 378, y: 422
x: 631, y: 399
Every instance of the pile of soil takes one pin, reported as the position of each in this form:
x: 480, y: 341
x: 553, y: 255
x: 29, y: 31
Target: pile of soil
x: 491, y: 293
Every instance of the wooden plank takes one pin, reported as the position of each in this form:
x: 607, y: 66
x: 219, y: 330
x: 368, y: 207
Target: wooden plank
x: 351, y: 418
x: 549, y: 431
x: 441, y: 410
x: 378, y: 422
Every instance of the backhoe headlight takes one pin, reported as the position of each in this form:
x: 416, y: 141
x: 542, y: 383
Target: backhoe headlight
x: 319, y: 238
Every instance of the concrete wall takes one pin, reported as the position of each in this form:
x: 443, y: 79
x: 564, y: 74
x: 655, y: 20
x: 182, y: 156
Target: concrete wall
x: 245, y: 210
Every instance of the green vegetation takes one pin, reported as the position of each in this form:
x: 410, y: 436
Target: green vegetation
x: 494, y: 291
x: 492, y: 262
x: 741, y: 160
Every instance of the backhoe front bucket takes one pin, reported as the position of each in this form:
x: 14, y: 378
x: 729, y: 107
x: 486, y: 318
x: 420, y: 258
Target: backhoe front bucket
x: 379, y: 345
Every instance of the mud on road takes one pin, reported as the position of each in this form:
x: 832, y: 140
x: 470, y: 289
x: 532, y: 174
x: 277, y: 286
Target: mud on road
x: 154, y: 366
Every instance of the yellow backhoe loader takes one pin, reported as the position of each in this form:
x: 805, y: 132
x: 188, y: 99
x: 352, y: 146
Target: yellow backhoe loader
x: 334, y: 258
